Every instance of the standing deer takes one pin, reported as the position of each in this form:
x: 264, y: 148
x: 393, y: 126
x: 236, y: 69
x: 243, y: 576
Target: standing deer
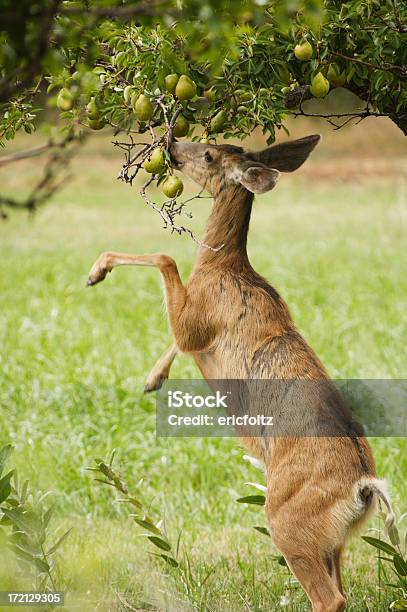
x: 236, y: 326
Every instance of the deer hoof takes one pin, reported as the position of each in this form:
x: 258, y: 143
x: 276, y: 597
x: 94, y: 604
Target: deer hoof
x: 154, y: 384
x: 97, y: 274
x: 94, y: 280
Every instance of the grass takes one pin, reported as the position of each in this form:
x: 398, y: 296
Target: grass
x: 74, y: 360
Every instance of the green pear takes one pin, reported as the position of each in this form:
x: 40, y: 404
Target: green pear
x: 319, y: 86
x: 96, y: 124
x: 171, y: 81
x: 143, y: 108
x: 156, y: 162
x: 65, y: 100
x: 92, y: 109
x: 181, y: 127
x: 186, y: 88
x: 172, y: 186
x: 218, y: 121
x: 303, y: 51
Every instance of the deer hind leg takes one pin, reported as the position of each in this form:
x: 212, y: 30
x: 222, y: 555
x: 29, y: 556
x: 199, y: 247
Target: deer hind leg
x: 161, y: 370
x: 308, y: 563
x: 311, y: 572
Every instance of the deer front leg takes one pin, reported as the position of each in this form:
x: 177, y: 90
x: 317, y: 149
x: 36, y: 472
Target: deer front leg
x: 161, y: 370
x: 174, y: 289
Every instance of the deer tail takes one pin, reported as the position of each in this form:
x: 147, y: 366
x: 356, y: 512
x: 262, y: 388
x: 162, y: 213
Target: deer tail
x: 373, y: 486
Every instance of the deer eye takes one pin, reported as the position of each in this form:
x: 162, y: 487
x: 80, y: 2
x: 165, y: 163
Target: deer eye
x: 208, y: 157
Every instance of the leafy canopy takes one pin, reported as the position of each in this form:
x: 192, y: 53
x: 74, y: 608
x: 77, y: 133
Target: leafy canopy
x: 244, y: 50
x: 82, y: 65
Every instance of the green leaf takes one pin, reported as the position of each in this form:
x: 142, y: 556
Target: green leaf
x: 257, y: 500
x: 24, y: 554
x: 59, y: 542
x: 280, y: 560
x: 262, y: 530
x: 18, y: 518
x: 42, y: 565
x: 160, y: 543
x: 26, y: 545
x: 24, y: 492
x: 4, y: 455
x: 170, y: 560
x: 394, y: 535
x: 147, y: 525
x: 400, y: 565
x: 5, y: 486
x: 107, y: 482
x: 47, y: 516
x: 131, y: 500
x: 384, y: 546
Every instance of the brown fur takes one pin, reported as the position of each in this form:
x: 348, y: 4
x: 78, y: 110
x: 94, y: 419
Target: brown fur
x: 236, y: 326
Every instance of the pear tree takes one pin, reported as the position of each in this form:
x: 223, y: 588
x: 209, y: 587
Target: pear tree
x: 187, y: 69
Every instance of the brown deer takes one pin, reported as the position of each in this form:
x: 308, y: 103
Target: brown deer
x: 320, y: 488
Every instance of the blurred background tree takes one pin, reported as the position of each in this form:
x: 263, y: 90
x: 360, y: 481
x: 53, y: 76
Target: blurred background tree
x: 250, y: 64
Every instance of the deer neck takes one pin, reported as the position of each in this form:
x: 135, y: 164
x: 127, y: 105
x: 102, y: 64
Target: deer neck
x: 227, y: 227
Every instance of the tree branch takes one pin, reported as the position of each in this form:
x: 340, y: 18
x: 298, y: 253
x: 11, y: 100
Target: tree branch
x: 295, y: 98
x: 51, y: 179
x: 34, y: 152
x: 348, y: 116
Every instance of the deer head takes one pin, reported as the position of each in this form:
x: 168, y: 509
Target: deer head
x: 215, y: 167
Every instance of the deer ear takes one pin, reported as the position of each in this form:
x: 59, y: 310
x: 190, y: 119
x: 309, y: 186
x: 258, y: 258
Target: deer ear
x: 259, y: 179
x: 287, y: 156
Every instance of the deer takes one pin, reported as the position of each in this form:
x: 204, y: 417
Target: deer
x: 321, y: 487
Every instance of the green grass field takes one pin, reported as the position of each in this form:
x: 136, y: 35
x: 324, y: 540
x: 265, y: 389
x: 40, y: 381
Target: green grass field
x: 74, y: 360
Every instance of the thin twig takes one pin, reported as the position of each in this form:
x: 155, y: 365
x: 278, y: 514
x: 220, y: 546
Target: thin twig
x: 384, y: 66
x: 167, y: 217
x: 170, y: 209
x: 348, y: 116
